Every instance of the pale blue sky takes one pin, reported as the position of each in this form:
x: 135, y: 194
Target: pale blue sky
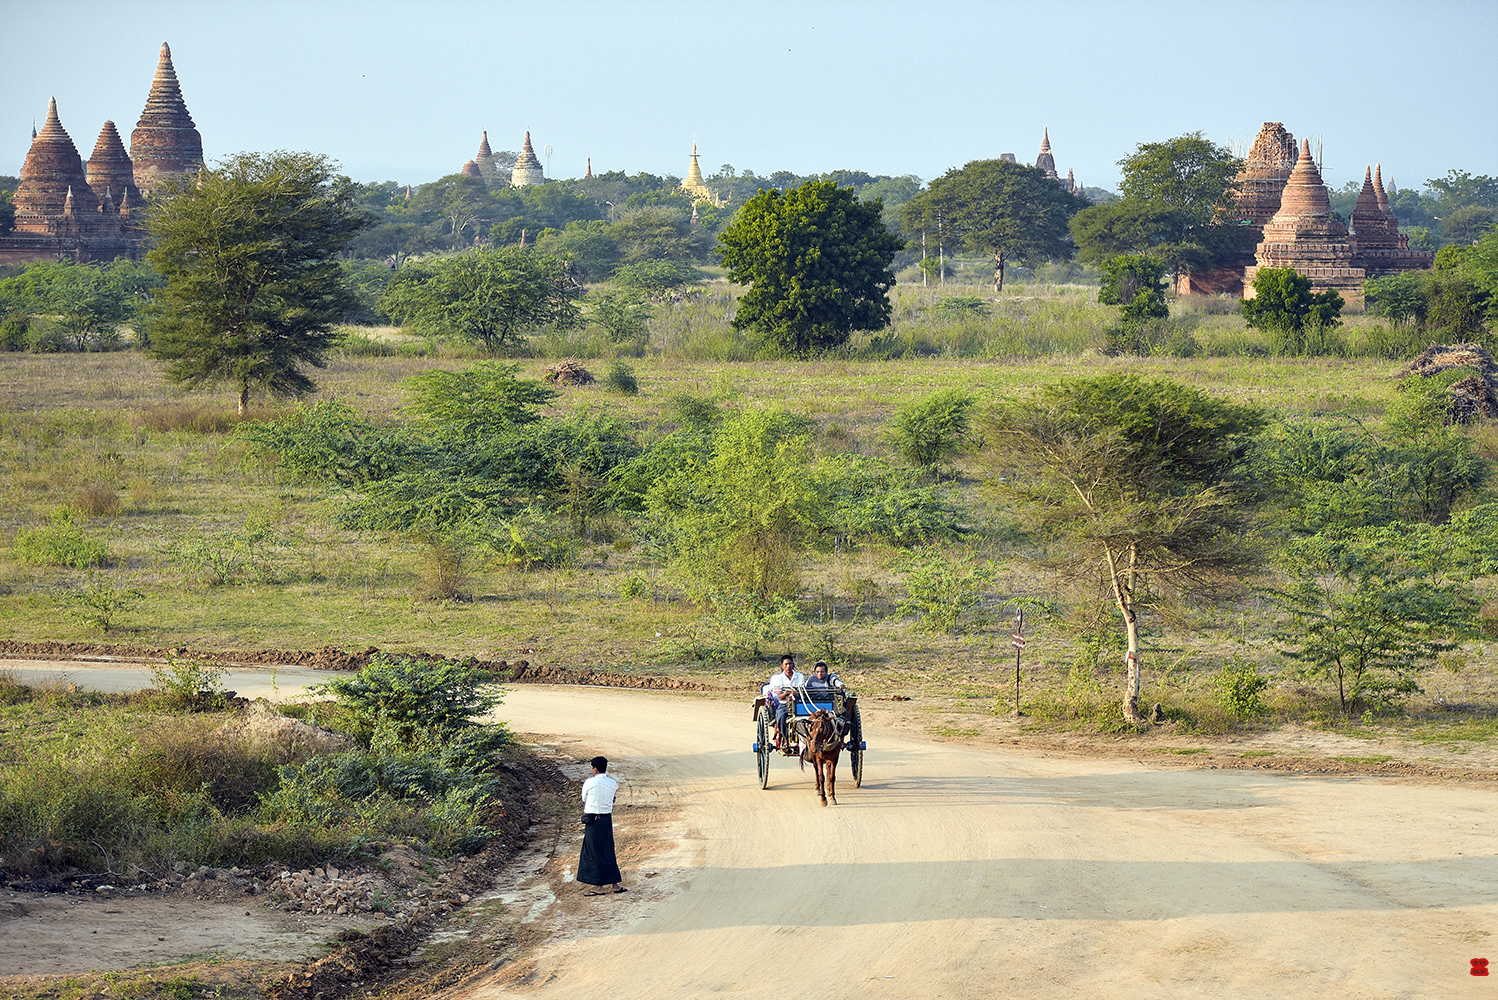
x: 401, y: 90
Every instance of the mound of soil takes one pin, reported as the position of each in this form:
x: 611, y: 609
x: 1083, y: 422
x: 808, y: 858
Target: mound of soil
x: 1472, y: 397
x: 331, y: 658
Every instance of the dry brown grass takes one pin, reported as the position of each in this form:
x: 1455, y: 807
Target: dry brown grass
x: 98, y: 500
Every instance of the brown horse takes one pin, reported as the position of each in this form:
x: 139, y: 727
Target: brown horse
x: 824, y: 745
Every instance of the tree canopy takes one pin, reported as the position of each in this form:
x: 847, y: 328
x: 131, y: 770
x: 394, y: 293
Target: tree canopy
x: 817, y: 263
x: 1136, y: 476
x: 1006, y: 210
x: 489, y: 295
x: 248, y: 253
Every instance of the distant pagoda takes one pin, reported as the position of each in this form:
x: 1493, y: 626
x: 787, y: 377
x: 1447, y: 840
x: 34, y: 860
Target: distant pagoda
x: 527, y: 169
x: 165, y: 142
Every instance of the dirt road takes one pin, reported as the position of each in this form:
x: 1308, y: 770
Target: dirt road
x: 961, y: 872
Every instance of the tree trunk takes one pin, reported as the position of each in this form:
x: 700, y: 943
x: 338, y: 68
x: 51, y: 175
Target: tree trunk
x: 998, y: 271
x: 244, y: 398
x: 1124, y: 580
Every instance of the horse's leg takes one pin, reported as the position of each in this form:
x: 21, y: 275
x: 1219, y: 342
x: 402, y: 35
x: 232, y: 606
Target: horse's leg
x: 821, y: 782
x: 832, y: 778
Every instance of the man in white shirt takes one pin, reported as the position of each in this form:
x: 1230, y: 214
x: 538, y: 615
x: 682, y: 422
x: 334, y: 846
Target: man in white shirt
x: 597, y: 866
x: 782, y: 692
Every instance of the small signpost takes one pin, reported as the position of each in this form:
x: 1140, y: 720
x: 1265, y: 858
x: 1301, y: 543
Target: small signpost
x: 1017, y: 640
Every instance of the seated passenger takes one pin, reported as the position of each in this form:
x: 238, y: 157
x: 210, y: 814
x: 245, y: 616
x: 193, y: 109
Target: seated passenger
x: 822, y: 679
x: 781, y: 691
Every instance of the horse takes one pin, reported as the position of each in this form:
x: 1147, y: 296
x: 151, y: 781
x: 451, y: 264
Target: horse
x: 824, y: 744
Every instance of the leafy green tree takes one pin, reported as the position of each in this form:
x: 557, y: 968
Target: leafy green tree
x: 737, y: 519
x: 941, y: 589
x: 1190, y: 174
x: 997, y: 208
x: 1284, y: 305
x: 1137, y: 476
x: 479, y: 401
x: 1175, y: 194
x: 1125, y: 226
x: 817, y: 263
x: 87, y: 305
x: 932, y: 430
x: 248, y: 252
x: 1466, y: 224
x: 1137, y: 283
x: 624, y: 317
x: 654, y: 278
x: 491, y: 296
x: 659, y: 233
x: 410, y: 695
x: 586, y: 246
x: 1371, y: 609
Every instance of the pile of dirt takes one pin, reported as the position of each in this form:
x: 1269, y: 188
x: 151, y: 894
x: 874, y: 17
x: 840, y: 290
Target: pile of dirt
x: 327, y: 658
x: 568, y: 372
x: 331, y: 658
x: 1471, y: 397
x: 265, y: 726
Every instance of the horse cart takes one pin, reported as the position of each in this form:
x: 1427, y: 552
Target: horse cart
x: 802, y: 721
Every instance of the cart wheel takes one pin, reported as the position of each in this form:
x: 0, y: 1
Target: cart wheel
x: 766, y: 725
x: 856, y: 742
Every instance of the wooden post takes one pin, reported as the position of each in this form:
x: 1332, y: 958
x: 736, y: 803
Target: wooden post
x: 1018, y: 642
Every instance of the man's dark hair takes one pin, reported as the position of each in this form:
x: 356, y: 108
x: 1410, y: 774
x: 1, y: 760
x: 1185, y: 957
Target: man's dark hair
x: 788, y: 656
x: 601, y: 764
x: 820, y: 663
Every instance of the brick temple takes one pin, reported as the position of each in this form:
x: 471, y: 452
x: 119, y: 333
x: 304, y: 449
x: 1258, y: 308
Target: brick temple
x: 67, y: 209
x: 1283, y: 198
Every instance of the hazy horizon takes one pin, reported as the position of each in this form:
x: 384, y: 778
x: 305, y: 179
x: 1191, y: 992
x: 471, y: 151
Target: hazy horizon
x: 401, y: 91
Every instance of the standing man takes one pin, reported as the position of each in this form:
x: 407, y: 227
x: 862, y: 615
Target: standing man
x: 782, y: 692
x: 597, y: 866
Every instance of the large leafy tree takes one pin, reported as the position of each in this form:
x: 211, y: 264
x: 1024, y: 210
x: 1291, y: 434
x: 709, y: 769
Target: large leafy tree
x: 1174, y: 195
x: 994, y: 207
x: 817, y: 263
x: 248, y: 252
x: 1370, y: 609
x: 491, y: 296
x: 1138, y: 476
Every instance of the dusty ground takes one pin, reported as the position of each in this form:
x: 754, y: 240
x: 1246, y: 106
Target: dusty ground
x: 976, y: 860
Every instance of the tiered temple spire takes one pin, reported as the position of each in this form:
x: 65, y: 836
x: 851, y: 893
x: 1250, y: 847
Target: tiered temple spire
x: 1045, y: 161
x: 165, y: 142
x: 527, y: 169
x: 52, y: 172
x: 109, y: 167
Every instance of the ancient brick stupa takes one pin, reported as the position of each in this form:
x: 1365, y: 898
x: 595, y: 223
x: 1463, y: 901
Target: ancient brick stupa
x: 471, y: 169
x: 1305, y: 236
x: 64, y: 211
x: 110, y: 172
x: 1264, y: 174
x: 527, y: 169
x: 1379, y: 248
x: 165, y: 142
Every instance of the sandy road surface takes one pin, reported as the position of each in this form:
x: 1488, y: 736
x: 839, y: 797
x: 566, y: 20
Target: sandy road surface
x: 961, y: 872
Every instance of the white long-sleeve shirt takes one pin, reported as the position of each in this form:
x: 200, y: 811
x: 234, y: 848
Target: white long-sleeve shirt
x: 598, y: 794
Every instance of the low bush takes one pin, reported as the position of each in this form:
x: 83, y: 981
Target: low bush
x: 62, y: 542
x: 621, y: 378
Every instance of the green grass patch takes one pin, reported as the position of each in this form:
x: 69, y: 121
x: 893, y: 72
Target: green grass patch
x: 1259, y: 753
x: 1371, y: 759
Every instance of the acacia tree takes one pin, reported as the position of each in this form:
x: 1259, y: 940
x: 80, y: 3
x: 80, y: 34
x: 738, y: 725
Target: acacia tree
x: 995, y: 207
x: 1136, y: 474
x: 248, y: 252
x: 491, y: 295
x: 816, y: 260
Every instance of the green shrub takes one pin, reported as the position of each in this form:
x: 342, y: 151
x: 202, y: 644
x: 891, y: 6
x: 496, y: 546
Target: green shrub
x: 62, y: 542
x: 99, y: 603
x: 1239, y: 689
x: 931, y: 430
x: 621, y: 378
x: 189, y: 684
x: 942, y: 589
x: 412, y: 696
x: 14, y: 330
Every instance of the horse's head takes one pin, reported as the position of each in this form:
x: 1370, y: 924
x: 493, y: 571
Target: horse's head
x: 823, y: 734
